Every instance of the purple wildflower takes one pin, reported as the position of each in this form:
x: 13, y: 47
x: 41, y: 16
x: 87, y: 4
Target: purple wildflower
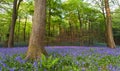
x: 83, y: 68
x: 77, y: 63
x: 35, y: 64
x: 19, y: 59
x: 99, y: 68
x: 11, y: 69
x: 110, y: 67
x: 3, y: 64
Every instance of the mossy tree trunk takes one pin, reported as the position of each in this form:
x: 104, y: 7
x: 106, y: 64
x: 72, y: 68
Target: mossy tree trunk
x: 110, y: 39
x: 36, y: 43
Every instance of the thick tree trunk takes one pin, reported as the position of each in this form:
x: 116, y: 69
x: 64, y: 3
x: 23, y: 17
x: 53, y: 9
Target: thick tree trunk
x: 110, y: 39
x: 36, y: 43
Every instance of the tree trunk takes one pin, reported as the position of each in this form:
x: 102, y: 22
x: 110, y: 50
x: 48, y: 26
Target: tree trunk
x: 36, y: 43
x: 110, y: 39
x: 24, y: 30
x: 12, y: 26
x: 80, y: 21
x: 103, y: 13
x: 18, y: 36
x: 70, y: 31
x: 59, y: 38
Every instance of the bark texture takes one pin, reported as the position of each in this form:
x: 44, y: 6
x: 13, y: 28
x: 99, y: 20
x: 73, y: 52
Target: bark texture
x: 36, y: 43
x: 110, y: 39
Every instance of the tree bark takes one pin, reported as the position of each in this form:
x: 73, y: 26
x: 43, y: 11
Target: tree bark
x: 12, y: 26
x: 18, y: 35
x: 13, y: 22
x: 80, y: 21
x: 24, y: 30
x: 110, y: 39
x: 59, y: 39
x: 36, y: 43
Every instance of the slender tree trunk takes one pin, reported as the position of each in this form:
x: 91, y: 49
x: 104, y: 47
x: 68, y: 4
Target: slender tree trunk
x: 53, y: 35
x: 89, y: 32
x: 12, y: 26
x: 80, y: 21
x: 59, y: 38
x: 103, y: 13
x: 70, y: 31
x: 101, y: 5
x: 18, y: 29
x: 110, y: 39
x: 24, y: 30
x: 36, y: 43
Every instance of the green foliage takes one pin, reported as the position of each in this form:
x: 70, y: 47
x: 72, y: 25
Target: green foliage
x: 116, y: 24
x: 57, y: 62
x: 25, y: 11
x: 49, y: 62
x: 62, y: 14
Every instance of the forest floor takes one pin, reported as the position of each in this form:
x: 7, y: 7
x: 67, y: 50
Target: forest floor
x: 65, y: 50
x: 77, y: 58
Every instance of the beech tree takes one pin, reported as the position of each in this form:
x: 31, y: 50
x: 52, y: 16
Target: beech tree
x: 110, y: 39
x: 16, y: 5
x: 36, y: 43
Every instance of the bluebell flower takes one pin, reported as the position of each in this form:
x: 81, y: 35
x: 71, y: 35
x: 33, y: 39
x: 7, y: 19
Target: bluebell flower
x: 35, y: 64
x: 11, y: 69
x: 114, y: 69
x: 3, y: 64
x: 83, y: 68
x: 19, y: 59
x: 110, y: 67
x: 77, y: 63
x: 99, y: 68
x: 83, y: 63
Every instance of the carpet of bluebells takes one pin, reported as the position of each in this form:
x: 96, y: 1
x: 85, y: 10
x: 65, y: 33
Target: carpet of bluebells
x: 62, y: 58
